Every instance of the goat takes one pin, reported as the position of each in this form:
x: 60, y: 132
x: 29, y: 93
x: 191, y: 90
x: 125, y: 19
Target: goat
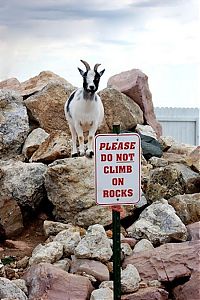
x: 84, y: 110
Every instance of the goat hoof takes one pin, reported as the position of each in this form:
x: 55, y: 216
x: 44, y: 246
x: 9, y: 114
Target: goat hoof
x: 75, y: 155
x: 90, y: 154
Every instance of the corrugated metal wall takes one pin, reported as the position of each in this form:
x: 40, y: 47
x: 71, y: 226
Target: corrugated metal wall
x: 180, y: 123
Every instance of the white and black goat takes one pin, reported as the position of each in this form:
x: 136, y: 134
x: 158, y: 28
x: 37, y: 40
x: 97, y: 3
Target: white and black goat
x: 84, y: 110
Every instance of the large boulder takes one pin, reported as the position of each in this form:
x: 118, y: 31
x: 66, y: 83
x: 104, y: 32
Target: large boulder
x: 119, y: 108
x: 47, y: 106
x: 134, y: 84
x: 167, y: 262
x: 187, y: 207
x: 37, y: 83
x: 23, y: 182
x: 70, y: 188
x: 14, y: 125
x: 150, y: 293
x: 189, y: 290
x: 48, y: 282
x: 159, y: 224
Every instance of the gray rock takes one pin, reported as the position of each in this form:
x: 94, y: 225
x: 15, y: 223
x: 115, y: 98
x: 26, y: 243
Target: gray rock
x: 102, y: 294
x: 157, y: 162
x: 14, y: 125
x: 48, y: 253
x: 108, y: 284
x: 53, y: 228
x: 130, y: 279
x: 91, y: 267
x: 69, y: 239
x: 23, y: 182
x: 64, y: 264
x: 21, y: 283
x: 159, y: 224
x: 9, y: 289
x: 143, y: 245
x: 33, y: 141
x: 125, y: 250
x: 95, y: 244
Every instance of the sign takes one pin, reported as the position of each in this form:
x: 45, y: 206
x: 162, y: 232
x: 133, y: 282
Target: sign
x: 117, y: 169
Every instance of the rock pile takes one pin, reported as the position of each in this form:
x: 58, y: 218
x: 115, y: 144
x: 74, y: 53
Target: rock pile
x: 159, y: 235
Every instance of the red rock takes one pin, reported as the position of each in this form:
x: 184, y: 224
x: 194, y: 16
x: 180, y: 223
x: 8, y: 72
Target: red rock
x: 189, y: 290
x: 194, y: 231
x: 10, y: 217
x: 134, y: 83
x: 131, y: 241
x: 20, y: 245
x: 47, y: 282
x: 149, y: 293
x: 167, y: 262
x: 193, y: 159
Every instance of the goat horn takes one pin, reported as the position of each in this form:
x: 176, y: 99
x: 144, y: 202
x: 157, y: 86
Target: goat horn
x: 86, y: 65
x: 96, y: 66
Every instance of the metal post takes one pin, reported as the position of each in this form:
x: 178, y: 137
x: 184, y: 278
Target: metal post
x: 116, y: 243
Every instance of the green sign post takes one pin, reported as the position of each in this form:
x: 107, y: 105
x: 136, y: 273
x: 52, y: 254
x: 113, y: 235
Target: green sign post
x: 116, y: 243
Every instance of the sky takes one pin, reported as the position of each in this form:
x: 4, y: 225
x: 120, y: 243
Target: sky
x: 159, y: 37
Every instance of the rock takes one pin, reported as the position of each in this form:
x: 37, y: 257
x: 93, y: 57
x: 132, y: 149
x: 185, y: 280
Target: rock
x: 159, y: 224
x: 22, y: 263
x: 108, y: 284
x: 150, y: 293
x: 48, y: 253
x: 174, y: 158
x: 158, y: 162
x: 143, y: 245
x: 95, y: 244
x: 37, y: 83
x: 14, y: 125
x: 167, y: 262
x: 10, y: 290
x: 150, y: 147
x: 47, y: 107
x: 131, y: 241
x: 102, y: 293
x: 187, y: 207
x: 19, y: 245
x: 53, y: 228
x: 11, y: 221
x: 194, y: 231
x: 11, y: 84
x: 56, y: 146
x: 64, y: 264
x: 189, y: 290
x: 69, y: 239
x: 191, y: 179
x: 146, y: 130
x: 48, y: 282
x: 134, y: 84
x: 130, y: 279
x: 142, y: 201
x: 21, y: 283
x: 164, y: 182
x: 90, y: 267
x: 125, y: 250
x: 180, y: 148
x: 119, y: 108
x: 23, y: 182
x: 193, y: 159
x: 33, y: 141
x: 166, y: 142
x: 62, y: 178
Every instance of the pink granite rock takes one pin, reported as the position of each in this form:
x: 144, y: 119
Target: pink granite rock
x: 45, y: 281
x: 134, y: 83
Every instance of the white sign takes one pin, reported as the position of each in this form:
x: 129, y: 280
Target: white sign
x: 117, y: 169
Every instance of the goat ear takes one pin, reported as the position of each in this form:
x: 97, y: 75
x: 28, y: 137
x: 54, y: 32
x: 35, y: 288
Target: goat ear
x: 101, y: 73
x: 81, y: 71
